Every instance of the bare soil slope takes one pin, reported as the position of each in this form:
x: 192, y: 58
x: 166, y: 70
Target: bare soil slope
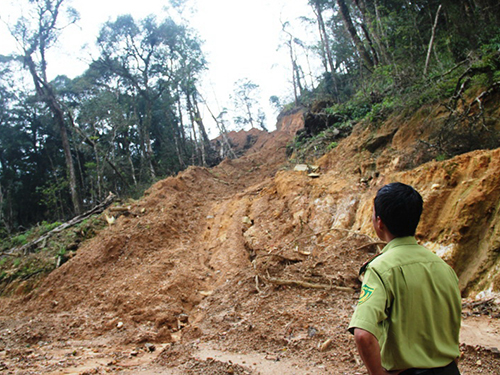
x: 251, y: 267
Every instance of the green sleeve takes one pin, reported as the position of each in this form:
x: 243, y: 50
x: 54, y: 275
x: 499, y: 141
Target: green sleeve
x: 370, y: 312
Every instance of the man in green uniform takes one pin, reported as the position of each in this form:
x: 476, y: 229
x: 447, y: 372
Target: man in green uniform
x: 407, y: 320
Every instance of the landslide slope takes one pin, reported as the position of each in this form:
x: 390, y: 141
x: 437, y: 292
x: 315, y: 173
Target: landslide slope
x: 253, y: 257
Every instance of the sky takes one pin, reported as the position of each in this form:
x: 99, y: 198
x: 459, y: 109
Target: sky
x: 242, y: 39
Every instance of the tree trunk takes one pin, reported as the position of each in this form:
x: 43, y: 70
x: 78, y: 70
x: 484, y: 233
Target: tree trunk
x: 147, y: 138
x: 199, y: 122
x: 327, y: 52
x: 358, y: 43
x: 200, y: 150
x: 431, y: 42
x: 105, y: 157
x: 370, y: 43
x: 295, y: 94
x: 369, y: 31
x: 197, y: 157
x: 180, y: 138
x: 324, y: 37
x: 175, y: 129
x: 289, y: 44
x: 182, y: 130
x: 70, y: 165
x: 132, y: 168
x: 196, y: 116
x: 1, y: 208
x: 222, y: 130
x: 46, y: 94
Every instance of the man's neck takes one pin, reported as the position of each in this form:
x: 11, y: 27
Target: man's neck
x: 386, y: 236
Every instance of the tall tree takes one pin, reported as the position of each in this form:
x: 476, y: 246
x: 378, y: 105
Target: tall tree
x: 317, y: 6
x: 249, y: 112
x: 150, y: 59
x: 35, y: 36
x: 296, y: 71
x: 363, y: 53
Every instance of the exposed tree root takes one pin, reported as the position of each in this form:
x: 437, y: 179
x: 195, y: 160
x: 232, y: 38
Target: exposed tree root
x: 305, y: 284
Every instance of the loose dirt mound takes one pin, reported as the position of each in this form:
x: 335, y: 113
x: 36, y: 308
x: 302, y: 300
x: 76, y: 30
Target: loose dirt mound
x: 245, y: 268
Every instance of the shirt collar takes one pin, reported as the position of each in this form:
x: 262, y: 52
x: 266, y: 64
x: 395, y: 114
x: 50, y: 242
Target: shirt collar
x: 399, y: 241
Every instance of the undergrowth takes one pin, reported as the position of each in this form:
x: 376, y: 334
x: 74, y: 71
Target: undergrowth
x: 20, y: 272
x: 461, y: 89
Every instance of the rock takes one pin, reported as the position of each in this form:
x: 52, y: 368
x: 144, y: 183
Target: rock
x: 150, y: 347
x: 184, y: 318
x: 119, y: 325
x: 182, y: 321
x: 110, y: 219
x: 311, y: 331
x: 378, y: 141
x: 301, y: 168
x: 326, y: 345
x: 247, y: 221
x: 305, y: 168
x: 313, y: 168
x: 495, y: 351
x: 274, y: 358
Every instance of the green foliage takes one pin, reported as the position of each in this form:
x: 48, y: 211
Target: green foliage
x: 37, y: 264
x: 390, y: 90
x: 62, y: 251
x: 51, y: 194
x: 373, y: 108
x: 19, y: 240
x: 45, y: 227
x: 442, y: 157
x: 332, y: 145
x: 493, y: 44
x: 306, y: 149
x: 124, y: 119
x: 380, y: 111
x: 352, y: 110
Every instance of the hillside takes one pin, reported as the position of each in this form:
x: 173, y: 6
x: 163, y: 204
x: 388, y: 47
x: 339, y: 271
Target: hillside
x: 250, y: 267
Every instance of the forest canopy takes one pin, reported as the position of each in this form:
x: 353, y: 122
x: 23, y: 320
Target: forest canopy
x: 134, y: 115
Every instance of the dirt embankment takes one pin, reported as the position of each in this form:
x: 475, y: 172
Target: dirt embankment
x: 251, y: 267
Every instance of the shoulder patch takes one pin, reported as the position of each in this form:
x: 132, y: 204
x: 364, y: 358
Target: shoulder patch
x: 366, y: 293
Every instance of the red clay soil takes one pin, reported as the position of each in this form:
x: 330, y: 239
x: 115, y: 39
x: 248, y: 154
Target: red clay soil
x: 244, y: 268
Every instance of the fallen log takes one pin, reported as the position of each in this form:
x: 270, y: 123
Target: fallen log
x: 33, y: 245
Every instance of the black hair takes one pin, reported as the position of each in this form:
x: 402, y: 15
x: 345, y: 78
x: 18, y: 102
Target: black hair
x: 399, y: 206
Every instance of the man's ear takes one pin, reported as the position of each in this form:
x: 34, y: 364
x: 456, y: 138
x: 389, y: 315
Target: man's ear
x: 377, y: 225
x: 383, y: 233
x: 380, y: 226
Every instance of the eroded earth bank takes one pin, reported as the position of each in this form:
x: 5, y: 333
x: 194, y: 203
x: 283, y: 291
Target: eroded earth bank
x: 251, y: 267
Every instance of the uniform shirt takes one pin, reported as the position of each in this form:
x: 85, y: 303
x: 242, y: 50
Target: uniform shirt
x: 410, y: 301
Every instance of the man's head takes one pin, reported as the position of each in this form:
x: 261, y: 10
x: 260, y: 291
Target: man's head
x: 399, y: 207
